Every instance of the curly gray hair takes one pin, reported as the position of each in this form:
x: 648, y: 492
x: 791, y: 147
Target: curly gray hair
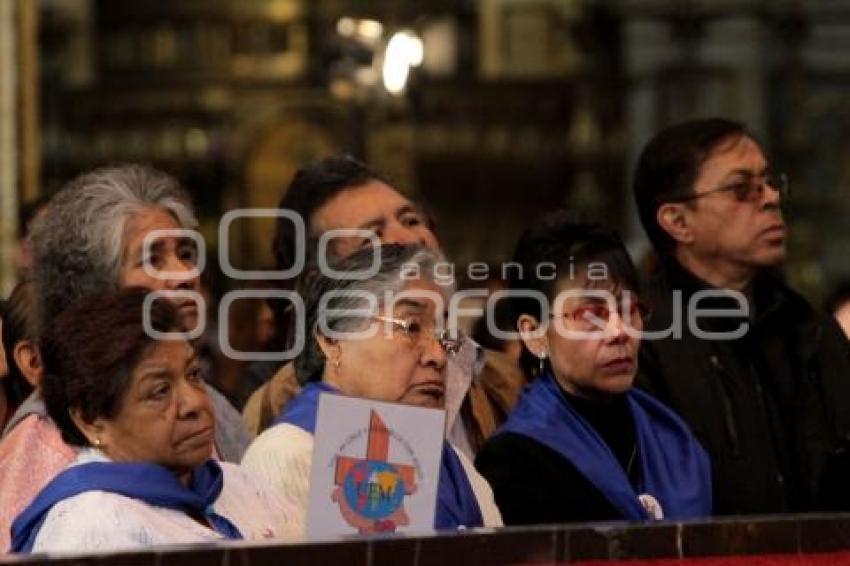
x: 398, y: 265
x: 78, y: 244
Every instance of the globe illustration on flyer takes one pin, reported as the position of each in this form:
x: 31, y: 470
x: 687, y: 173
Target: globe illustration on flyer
x: 370, y: 492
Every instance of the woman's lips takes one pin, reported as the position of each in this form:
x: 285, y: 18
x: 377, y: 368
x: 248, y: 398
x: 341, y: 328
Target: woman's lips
x: 199, y: 437
x: 434, y: 390
x: 619, y: 365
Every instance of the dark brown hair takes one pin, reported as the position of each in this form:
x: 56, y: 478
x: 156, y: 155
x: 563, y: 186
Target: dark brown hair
x: 669, y: 165
x: 89, y: 353
x: 558, y: 239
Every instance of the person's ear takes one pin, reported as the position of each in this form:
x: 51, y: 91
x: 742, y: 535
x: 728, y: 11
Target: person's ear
x: 94, y: 431
x: 673, y: 219
x: 533, y: 335
x: 330, y: 349
x: 28, y: 359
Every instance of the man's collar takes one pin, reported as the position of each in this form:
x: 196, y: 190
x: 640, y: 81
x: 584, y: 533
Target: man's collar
x: 718, y: 274
x: 768, y: 294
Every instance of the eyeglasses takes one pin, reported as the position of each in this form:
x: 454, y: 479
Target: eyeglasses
x: 748, y: 187
x: 419, y: 334
x: 597, y: 315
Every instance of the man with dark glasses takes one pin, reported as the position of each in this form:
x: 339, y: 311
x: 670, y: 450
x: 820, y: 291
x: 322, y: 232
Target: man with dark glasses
x: 763, y: 379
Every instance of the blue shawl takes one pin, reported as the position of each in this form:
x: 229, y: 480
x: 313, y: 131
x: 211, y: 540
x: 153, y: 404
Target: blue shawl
x: 456, y: 502
x: 674, y: 468
x: 147, y: 482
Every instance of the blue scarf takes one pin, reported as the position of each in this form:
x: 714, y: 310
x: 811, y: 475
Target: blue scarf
x: 674, y: 468
x: 456, y: 503
x: 147, y: 482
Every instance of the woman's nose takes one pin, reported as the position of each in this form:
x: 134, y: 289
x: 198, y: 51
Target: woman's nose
x: 193, y: 399
x: 433, y: 351
x: 180, y: 274
x: 616, y: 330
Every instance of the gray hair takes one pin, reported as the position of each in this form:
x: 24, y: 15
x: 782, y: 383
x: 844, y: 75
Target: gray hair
x: 78, y: 244
x: 399, y: 264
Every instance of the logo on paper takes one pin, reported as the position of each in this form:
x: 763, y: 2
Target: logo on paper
x: 370, y: 491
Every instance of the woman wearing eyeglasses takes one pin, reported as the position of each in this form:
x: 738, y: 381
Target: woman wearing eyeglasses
x: 400, y: 357
x: 582, y: 445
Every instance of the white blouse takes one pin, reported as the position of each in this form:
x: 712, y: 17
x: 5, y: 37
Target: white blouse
x: 103, y: 521
x: 283, y: 454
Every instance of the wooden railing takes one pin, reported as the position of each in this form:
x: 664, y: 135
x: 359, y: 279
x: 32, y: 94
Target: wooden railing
x: 803, y: 539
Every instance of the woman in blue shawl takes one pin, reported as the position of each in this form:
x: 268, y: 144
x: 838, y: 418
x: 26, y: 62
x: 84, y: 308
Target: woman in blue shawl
x: 138, y: 410
x: 388, y: 348
x: 582, y: 445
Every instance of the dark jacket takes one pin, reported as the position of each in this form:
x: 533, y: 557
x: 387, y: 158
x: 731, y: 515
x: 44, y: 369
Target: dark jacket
x: 534, y: 484
x: 771, y: 407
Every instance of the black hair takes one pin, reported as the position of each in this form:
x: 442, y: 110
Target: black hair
x: 311, y: 188
x: 669, y: 165
x: 571, y: 246
x: 20, y: 322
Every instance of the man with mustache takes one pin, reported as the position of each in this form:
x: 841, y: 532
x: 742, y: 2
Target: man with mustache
x: 765, y: 384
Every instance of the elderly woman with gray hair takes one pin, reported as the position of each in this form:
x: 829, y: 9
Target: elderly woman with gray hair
x: 119, y: 227
x: 404, y: 363
x: 116, y: 227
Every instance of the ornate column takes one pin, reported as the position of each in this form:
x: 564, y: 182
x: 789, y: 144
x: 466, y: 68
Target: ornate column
x: 9, y: 156
x: 28, y: 99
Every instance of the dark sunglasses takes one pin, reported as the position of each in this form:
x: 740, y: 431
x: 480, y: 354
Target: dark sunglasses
x: 748, y: 187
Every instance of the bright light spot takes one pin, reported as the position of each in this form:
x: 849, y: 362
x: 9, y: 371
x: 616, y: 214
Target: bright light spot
x: 415, y: 49
x: 370, y: 29
x: 395, y: 75
x: 346, y: 27
x: 404, y: 50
